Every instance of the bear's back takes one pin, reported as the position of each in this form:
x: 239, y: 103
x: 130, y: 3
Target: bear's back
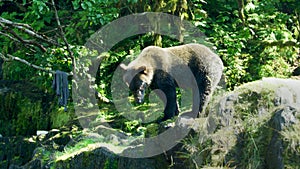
x: 196, y: 56
x: 192, y: 51
x: 200, y: 59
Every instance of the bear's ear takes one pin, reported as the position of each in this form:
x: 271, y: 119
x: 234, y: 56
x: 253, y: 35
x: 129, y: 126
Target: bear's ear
x: 145, y: 70
x: 141, y: 69
x: 123, y: 66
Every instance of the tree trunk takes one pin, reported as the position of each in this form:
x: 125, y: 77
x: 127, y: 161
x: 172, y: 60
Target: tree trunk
x: 1, y: 72
x: 241, y: 5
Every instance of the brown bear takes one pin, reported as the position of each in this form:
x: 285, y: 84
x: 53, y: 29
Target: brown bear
x: 191, y: 66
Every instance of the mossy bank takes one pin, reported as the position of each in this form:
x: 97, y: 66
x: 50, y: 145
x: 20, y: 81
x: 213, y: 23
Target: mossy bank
x: 254, y: 126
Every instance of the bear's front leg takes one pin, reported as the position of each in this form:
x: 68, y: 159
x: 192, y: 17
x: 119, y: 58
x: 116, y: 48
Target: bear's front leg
x: 167, y: 93
x: 171, y: 107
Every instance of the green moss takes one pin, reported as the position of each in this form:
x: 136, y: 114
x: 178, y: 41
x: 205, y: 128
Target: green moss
x: 252, y: 98
x: 20, y: 115
x: 60, y: 118
x: 53, y: 166
x: 29, y: 118
x: 152, y: 130
x: 43, y: 154
x: 253, y: 109
x: 17, y: 160
x: 111, y: 164
x: 24, y: 108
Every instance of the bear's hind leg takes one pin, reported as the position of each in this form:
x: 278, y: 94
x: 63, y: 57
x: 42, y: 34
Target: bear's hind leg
x: 205, y: 91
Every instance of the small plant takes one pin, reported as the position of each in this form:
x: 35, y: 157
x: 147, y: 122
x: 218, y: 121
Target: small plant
x: 76, y: 148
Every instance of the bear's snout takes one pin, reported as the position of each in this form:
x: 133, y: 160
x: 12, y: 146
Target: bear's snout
x: 139, y: 101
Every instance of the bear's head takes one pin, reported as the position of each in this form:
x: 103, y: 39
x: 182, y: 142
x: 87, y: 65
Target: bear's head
x: 138, y: 79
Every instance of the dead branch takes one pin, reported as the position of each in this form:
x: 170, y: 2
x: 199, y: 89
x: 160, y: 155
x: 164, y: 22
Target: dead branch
x: 64, y: 38
x: 18, y: 38
x: 28, y: 30
x: 9, y: 37
x: 28, y: 46
x: 8, y: 22
x: 11, y: 57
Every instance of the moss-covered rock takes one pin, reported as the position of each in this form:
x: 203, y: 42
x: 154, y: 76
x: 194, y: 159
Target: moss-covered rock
x: 248, y: 125
x: 15, y: 150
x: 103, y: 158
x: 23, y: 108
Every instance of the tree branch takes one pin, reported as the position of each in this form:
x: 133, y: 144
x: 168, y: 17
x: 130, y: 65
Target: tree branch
x: 28, y: 46
x: 64, y: 38
x: 241, y: 5
x: 11, y: 57
x: 19, y: 39
x: 9, y: 37
x: 100, y: 97
x: 8, y: 22
x: 28, y: 30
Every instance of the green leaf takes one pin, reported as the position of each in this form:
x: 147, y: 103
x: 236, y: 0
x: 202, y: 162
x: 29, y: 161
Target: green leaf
x: 84, y: 6
x: 76, y: 4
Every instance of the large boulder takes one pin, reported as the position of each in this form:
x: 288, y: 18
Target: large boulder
x: 255, y: 126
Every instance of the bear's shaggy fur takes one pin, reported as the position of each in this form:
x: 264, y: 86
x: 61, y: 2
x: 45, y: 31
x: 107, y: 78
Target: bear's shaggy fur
x: 192, y: 66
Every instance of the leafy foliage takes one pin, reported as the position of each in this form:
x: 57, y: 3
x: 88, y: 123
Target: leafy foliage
x: 252, y: 47
x: 257, y: 48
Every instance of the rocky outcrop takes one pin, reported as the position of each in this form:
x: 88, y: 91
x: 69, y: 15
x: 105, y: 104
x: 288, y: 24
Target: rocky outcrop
x: 102, y: 157
x: 282, y: 119
x: 254, y: 116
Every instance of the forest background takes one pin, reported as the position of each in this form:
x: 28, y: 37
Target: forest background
x: 254, y: 38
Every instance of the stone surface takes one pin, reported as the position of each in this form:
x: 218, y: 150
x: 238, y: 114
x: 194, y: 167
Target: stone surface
x: 259, y: 99
x: 226, y: 109
x: 283, y: 118
x: 103, y: 158
x: 283, y: 96
x: 291, y: 86
x: 15, y: 150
